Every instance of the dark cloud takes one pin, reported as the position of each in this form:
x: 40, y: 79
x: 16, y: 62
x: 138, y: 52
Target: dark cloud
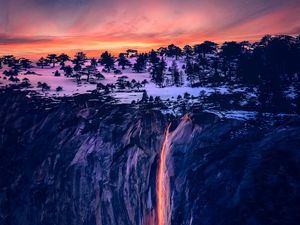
x: 5, y: 40
x: 62, y: 4
x: 62, y: 12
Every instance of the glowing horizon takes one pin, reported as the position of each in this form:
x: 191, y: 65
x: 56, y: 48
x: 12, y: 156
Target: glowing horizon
x: 34, y: 28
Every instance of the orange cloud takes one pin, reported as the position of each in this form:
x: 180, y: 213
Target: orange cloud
x: 30, y: 29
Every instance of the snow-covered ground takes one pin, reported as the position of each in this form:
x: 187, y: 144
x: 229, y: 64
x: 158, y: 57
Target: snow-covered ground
x: 71, y: 87
x: 46, y: 75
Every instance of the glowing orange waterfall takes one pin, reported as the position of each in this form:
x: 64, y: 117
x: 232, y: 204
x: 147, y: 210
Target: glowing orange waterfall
x: 163, y: 185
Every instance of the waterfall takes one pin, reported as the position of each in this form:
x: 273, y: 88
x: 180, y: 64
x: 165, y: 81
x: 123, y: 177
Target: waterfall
x: 163, y: 184
x: 163, y: 180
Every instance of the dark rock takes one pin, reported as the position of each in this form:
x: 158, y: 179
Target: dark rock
x: 76, y: 162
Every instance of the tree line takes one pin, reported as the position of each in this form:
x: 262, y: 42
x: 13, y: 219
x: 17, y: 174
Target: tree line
x: 271, y: 65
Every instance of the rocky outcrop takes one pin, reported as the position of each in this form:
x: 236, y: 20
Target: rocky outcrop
x: 81, y: 162
x: 232, y: 172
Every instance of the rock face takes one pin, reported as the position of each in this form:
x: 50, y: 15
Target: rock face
x: 231, y: 172
x: 81, y: 162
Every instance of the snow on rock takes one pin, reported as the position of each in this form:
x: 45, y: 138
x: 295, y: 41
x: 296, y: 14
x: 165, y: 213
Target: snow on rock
x: 248, y: 115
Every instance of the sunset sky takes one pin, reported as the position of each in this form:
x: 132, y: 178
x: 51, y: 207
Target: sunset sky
x: 36, y: 27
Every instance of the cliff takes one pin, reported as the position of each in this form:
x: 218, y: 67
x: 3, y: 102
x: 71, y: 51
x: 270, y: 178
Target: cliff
x: 84, y: 162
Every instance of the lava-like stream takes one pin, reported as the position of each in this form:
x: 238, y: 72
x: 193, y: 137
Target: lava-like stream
x: 163, y: 188
x: 163, y: 181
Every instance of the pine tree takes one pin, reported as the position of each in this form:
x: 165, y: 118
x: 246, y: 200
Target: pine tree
x: 189, y: 70
x: 42, y: 62
x: 77, y: 67
x: 68, y: 71
x: 123, y: 61
x: 153, y: 58
x: 80, y: 58
x: 25, y: 63
x: 122, y: 82
x: 145, y: 97
x: 175, y: 74
x: 107, y: 60
x: 140, y: 63
x: 52, y: 59
x: 94, y: 62
x: 59, y: 88
x: 158, y: 72
x: 174, y: 50
x: 62, y: 58
x: 205, y: 48
x: 56, y: 73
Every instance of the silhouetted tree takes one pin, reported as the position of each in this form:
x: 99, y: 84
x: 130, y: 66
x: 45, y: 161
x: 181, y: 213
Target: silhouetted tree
x: 177, y: 77
x: 144, y: 82
x: 77, y: 67
x: 62, y: 58
x: 10, y: 72
x: 25, y: 82
x: 140, y: 63
x: 107, y: 60
x: 246, y: 69
x: 52, y: 59
x: 137, y: 85
x: 188, y: 52
x: 14, y: 79
x: 158, y: 72
x: 89, y: 71
x: 94, y: 62
x: 206, y: 47
x: 265, y: 40
x: 216, y: 78
x: 122, y: 82
x: 99, y: 76
x: 230, y: 52
x: 79, y: 58
x: 25, y: 63
x: 162, y: 51
x: 42, y: 62
x: 153, y: 58
x: 43, y: 86
x: 145, y: 97
x: 8, y: 60
x: 59, y: 88
x: 189, y: 70
x: 56, y: 73
x: 123, y: 61
x: 68, y: 71
x: 173, y: 50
